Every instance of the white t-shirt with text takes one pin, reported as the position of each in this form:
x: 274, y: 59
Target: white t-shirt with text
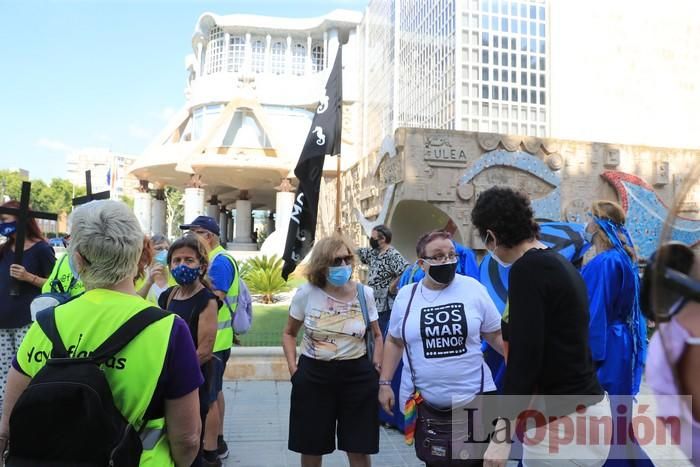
x: 443, y: 334
x: 333, y: 329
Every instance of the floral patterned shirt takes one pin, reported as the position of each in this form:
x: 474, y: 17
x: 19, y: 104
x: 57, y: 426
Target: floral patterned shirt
x: 384, y: 267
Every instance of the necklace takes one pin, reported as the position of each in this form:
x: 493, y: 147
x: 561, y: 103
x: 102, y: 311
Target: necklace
x: 425, y: 298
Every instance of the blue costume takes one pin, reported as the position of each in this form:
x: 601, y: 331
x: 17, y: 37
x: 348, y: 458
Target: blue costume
x: 617, y: 328
x: 617, y: 335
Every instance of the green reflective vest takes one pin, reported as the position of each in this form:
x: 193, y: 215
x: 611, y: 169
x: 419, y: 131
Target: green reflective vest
x: 224, y: 329
x: 61, y: 279
x: 86, y: 322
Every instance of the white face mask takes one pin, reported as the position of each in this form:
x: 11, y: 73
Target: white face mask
x: 493, y: 254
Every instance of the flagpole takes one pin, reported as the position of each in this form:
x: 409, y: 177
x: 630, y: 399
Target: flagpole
x: 338, y: 194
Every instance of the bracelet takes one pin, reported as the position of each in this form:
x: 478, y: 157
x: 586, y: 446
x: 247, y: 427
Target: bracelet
x: 385, y: 382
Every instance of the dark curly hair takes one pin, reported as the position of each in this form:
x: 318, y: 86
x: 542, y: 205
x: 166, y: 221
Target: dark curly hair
x: 507, y: 213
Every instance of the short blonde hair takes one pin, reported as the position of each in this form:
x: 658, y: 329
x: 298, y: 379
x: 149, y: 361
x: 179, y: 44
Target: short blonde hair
x: 322, y: 257
x: 108, y: 236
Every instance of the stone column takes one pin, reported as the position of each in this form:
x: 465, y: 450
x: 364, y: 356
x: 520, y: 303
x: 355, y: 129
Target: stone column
x: 325, y: 50
x: 159, y: 213
x: 332, y: 49
x: 283, y: 207
x: 227, y: 52
x: 142, y: 210
x: 243, y: 221
x: 213, y: 208
x: 288, y: 57
x: 268, y: 54
x: 194, y: 203
x: 308, y: 67
x: 248, y: 54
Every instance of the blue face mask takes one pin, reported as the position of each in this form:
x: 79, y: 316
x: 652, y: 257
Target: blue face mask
x: 161, y: 257
x: 8, y: 228
x: 185, y: 275
x: 339, y: 275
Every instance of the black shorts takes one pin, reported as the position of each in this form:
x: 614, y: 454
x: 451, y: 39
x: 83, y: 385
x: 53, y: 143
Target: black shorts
x: 336, y: 397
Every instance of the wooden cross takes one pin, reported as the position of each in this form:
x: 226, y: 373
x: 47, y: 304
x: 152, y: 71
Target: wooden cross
x: 90, y: 196
x: 23, y: 214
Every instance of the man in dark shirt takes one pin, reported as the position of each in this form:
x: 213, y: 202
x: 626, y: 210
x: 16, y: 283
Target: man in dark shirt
x: 547, y: 329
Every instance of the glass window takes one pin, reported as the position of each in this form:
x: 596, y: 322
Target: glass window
x: 298, y: 59
x: 484, y: 110
x: 485, y: 38
x: 485, y: 56
x: 495, y: 41
x: 197, y: 122
x: 523, y: 78
x: 513, y: 75
x: 533, y: 12
x: 533, y: 97
x: 533, y: 45
x: 484, y: 22
x: 513, y: 60
x: 523, y: 27
x: 523, y: 96
x: 278, y: 53
x: 514, y: 95
x: 513, y: 44
x: 494, y: 6
x: 533, y: 28
x: 214, y: 56
x: 495, y: 74
x: 317, y: 58
x: 541, y: 11
x: 541, y: 44
x: 523, y: 10
x: 495, y: 58
x: 504, y: 76
x: 541, y: 81
x: 504, y: 93
x: 541, y: 29
x: 533, y: 79
x: 514, y: 26
x: 523, y: 61
x: 533, y: 63
x: 504, y: 59
x: 513, y: 9
x: 504, y: 24
x: 504, y: 7
x: 494, y: 90
x: 236, y: 51
x: 484, y: 74
x: 258, y: 56
x: 541, y: 63
x: 494, y: 23
x: 484, y: 91
x: 504, y: 42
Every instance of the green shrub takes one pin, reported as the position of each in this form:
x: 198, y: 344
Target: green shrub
x: 263, y: 276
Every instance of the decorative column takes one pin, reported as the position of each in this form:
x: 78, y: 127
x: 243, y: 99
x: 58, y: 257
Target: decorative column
x: 194, y: 203
x: 142, y: 207
x: 244, y: 217
x: 200, y: 57
x: 308, y: 67
x: 248, y: 55
x: 288, y: 57
x: 228, y: 59
x: 213, y: 208
x: 268, y: 54
x: 325, y: 50
x: 159, y: 213
x: 283, y: 207
x: 332, y: 49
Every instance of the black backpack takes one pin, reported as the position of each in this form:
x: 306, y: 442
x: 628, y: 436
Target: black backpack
x: 66, y: 416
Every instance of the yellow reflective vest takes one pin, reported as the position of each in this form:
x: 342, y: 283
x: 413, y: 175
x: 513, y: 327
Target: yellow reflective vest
x: 224, y: 329
x: 61, y: 279
x: 86, y: 322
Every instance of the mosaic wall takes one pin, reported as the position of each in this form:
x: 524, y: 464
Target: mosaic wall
x: 439, y: 174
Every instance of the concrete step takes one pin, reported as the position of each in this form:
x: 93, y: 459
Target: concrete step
x: 257, y: 364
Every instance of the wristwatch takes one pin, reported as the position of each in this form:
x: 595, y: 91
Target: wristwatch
x: 385, y: 382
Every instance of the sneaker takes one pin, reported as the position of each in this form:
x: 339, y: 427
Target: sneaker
x: 222, y: 449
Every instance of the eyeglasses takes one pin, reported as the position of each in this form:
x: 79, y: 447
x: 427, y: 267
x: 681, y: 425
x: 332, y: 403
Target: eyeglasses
x: 448, y: 258
x: 338, y: 261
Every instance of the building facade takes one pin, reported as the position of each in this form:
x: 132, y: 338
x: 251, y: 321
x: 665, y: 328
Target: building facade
x: 109, y: 171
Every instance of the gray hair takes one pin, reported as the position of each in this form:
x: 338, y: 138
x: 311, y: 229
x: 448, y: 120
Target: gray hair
x: 108, y: 236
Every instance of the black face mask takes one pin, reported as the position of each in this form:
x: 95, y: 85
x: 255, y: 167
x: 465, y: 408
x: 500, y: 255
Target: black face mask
x: 443, y: 273
x: 374, y: 243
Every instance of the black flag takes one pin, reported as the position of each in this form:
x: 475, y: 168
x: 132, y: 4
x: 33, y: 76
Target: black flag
x: 323, y: 138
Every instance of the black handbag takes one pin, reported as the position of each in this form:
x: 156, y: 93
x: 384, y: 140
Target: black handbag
x: 444, y: 437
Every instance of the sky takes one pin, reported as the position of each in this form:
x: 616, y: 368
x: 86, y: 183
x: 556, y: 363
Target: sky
x: 102, y: 73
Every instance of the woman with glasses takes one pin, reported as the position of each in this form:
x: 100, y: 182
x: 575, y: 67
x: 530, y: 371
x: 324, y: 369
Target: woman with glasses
x: 439, y: 322
x: 334, y: 381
